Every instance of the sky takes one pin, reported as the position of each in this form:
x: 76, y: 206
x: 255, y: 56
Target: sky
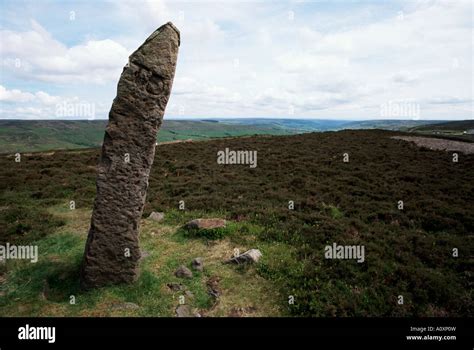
x: 340, y: 59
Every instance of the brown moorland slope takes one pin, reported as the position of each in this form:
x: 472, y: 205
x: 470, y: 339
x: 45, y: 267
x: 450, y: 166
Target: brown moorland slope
x: 409, y: 252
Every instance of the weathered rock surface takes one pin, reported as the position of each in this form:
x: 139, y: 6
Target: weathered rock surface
x: 175, y: 287
x: 250, y: 256
x: 214, y: 290
x: 206, y: 224
x: 112, y: 249
x: 183, y: 272
x: 156, y: 216
x: 198, y: 264
x: 185, y: 311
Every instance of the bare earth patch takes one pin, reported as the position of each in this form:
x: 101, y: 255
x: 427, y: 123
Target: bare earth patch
x: 439, y: 144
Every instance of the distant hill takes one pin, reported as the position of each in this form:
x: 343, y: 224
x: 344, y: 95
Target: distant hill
x: 43, y: 135
x: 456, y: 125
x: 295, y: 125
x: 396, y: 125
x: 311, y: 125
x: 458, y: 130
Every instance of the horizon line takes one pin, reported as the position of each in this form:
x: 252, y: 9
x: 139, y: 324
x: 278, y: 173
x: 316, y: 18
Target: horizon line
x: 231, y: 118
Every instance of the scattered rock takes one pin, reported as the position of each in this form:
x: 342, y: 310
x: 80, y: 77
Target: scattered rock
x: 156, y: 216
x: 189, y: 294
x: 250, y: 256
x: 183, y: 272
x: 198, y: 264
x: 206, y: 224
x: 125, y: 306
x: 185, y: 311
x: 112, y: 250
x: 176, y: 287
x: 213, y: 288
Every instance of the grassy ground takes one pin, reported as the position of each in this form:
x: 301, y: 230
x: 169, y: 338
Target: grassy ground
x: 45, y: 288
x: 408, y: 252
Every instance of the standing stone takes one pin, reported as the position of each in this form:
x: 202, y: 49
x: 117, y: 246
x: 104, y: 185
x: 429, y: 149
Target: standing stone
x: 112, y: 249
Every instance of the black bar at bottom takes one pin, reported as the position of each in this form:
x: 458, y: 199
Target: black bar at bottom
x: 390, y: 331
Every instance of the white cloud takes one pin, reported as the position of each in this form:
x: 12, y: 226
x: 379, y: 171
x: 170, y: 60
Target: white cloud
x: 149, y: 13
x: 41, y: 105
x: 37, y: 55
x: 249, y: 59
x: 423, y: 55
x: 18, y: 96
x: 14, y: 95
x: 47, y: 99
x: 198, y: 32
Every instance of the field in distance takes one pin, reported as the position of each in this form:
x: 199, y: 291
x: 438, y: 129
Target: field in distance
x: 45, y: 135
x: 462, y: 130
